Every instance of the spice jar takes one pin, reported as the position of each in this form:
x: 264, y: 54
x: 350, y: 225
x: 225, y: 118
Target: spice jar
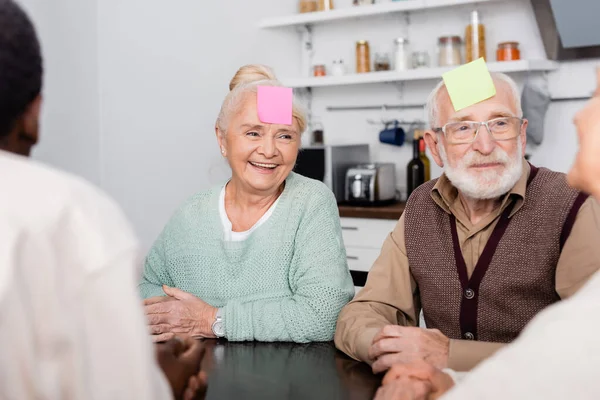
x: 475, y: 38
x: 420, y: 59
x: 363, y: 57
x: 402, y: 57
x: 305, y: 6
x: 325, y: 5
x: 508, y: 51
x: 449, y: 51
x: 319, y: 70
x: 382, y: 62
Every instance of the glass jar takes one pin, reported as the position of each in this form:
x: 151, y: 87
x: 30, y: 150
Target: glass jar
x: 325, y: 5
x: 402, y: 56
x: 319, y: 70
x: 508, y: 51
x: 420, y: 59
x: 382, y: 62
x: 449, y: 51
x: 305, y: 6
x: 475, y: 39
x: 363, y: 57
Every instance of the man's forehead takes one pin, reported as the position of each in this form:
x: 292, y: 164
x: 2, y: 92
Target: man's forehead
x: 501, y: 103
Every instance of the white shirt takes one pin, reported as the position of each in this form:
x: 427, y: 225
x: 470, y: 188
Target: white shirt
x: 556, y: 357
x: 230, y: 235
x: 71, y: 322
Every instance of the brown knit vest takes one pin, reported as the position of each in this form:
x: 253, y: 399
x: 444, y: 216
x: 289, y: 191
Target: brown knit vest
x: 510, y: 285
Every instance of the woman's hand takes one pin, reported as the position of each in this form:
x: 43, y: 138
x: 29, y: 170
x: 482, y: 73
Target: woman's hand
x: 179, y: 313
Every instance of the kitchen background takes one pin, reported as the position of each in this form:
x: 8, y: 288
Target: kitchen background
x: 133, y: 86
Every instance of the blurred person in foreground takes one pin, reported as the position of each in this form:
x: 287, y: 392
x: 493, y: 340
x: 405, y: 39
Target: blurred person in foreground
x: 71, y: 326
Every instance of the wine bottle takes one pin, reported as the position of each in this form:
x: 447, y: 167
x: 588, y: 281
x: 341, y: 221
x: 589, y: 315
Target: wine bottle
x: 415, y: 170
x: 425, y: 159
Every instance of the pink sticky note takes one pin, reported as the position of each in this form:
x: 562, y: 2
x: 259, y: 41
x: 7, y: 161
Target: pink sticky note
x: 274, y: 105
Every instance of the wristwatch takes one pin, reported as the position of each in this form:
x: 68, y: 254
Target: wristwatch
x: 218, y: 326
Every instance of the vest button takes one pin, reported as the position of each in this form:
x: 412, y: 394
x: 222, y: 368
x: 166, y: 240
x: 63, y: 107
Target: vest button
x: 469, y: 294
x: 469, y: 336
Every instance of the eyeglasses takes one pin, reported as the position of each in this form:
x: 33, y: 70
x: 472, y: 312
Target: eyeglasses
x: 465, y: 132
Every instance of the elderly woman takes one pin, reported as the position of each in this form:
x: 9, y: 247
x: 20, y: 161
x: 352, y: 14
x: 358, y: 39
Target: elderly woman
x: 260, y: 257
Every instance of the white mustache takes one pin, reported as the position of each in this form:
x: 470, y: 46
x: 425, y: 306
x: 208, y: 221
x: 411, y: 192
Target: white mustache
x: 498, y: 156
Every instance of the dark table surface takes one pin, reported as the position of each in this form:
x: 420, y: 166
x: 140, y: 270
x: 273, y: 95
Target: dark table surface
x: 253, y: 370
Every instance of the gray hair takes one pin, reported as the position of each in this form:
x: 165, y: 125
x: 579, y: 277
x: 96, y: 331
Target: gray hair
x: 432, y: 106
x: 246, y: 80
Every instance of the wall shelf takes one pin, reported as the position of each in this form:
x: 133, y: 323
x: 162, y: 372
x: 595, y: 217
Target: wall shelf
x: 296, y: 20
x: 414, y: 74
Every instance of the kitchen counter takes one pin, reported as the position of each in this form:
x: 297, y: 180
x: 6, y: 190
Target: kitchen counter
x: 392, y: 211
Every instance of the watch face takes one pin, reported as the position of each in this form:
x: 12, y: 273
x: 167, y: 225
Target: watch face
x: 218, y: 329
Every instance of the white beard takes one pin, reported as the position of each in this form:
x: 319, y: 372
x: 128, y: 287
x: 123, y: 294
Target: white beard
x: 486, y: 184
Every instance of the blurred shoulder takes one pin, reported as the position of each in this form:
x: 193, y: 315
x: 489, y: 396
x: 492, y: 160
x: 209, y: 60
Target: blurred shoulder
x: 37, y: 192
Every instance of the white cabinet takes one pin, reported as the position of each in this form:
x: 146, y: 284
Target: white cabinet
x: 363, y: 239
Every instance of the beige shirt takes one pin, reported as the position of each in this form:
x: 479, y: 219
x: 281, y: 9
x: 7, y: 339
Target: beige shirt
x: 390, y: 295
x: 71, y: 322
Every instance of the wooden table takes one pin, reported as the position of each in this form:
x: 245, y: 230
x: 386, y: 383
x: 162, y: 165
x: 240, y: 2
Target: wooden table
x: 392, y: 211
x: 253, y: 370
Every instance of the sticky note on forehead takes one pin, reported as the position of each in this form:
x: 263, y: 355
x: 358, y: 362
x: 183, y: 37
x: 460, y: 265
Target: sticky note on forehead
x: 274, y: 105
x: 469, y: 84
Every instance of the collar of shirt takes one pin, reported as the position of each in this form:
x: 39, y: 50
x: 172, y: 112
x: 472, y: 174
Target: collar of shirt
x: 445, y: 195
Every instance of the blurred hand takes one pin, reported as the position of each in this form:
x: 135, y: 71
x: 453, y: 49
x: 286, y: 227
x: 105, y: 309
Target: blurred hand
x: 404, y: 389
x: 180, y: 362
x: 180, y: 313
x: 437, y: 381
x: 398, y: 344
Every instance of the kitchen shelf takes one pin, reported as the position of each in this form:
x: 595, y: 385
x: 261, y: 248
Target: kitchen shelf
x: 414, y: 74
x: 359, y: 11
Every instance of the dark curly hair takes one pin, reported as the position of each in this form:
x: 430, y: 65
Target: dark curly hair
x: 20, y: 64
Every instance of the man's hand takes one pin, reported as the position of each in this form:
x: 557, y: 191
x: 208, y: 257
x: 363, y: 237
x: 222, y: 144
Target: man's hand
x: 398, y: 344
x: 436, y: 381
x: 180, y: 313
x: 180, y: 362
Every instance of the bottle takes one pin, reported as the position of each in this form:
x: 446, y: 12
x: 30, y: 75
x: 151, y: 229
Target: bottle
x: 475, y: 38
x: 415, y: 170
x: 424, y: 158
x: 363, y: 57
x: 402, y: 54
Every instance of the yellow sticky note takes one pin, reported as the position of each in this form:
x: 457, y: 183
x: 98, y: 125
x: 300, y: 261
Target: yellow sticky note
x: 469, y: 84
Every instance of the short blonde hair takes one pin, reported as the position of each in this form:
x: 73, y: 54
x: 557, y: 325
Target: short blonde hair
x: 432, y: 109
x: 246, y: 80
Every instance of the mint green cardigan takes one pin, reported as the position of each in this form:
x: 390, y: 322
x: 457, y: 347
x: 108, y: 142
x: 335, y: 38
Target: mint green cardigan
x: 287, y: 282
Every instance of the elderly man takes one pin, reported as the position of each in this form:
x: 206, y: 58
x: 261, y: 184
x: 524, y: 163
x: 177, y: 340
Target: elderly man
x: 524, y: 369
x: 481, y: 250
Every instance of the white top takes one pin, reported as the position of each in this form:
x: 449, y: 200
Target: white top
x: 71, y: 321
x: 230, y: 235
x: 556, y: 357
